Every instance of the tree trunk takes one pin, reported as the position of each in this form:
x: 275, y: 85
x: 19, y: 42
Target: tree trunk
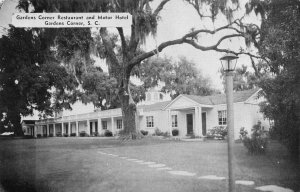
x: 129, y: 111
x: 15, y: 120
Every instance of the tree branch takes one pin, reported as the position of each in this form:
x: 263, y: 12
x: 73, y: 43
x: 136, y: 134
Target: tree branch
x: 213, y: 47
x: 256, y: 72
x: 160, y: 7
x: 123, y: 41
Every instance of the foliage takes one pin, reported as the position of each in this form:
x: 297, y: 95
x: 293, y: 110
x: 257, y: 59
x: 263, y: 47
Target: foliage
x: 39, y: 135
x: 257, y: 142
x: 73, y: 134
x: 143, y: 132
x: 242, y: 79
x: 28, y: 73
x: 158, y: 132
x: 108, y: 133
x: 58, y: 134
x: 51, y: 135
x: 83, y: 134
x: 166, y: 134
x: 66, y: 135
x: 279, y: 44
x: 175, y: 132
x: 123, y: 53
x: 182, y: 77
x: 218, y: 132
x: 99, y: 89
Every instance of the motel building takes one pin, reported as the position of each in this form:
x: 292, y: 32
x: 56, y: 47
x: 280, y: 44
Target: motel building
x: 190, y: 114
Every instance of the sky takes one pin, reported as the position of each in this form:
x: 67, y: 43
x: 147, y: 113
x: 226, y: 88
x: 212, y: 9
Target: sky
x: 177, y: 18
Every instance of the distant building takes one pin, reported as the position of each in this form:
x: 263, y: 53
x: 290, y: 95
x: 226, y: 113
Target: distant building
x: 189, y: 114
x: 28, y: 127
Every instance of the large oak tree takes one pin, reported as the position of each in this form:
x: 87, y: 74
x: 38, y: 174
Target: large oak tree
x: 121, y: 62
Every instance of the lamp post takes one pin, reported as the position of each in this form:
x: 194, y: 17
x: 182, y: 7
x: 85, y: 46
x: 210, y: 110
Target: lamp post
x: 228, y: 62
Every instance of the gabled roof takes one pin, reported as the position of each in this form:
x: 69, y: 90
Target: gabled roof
x: 155, y: 106
x: 239, y: 96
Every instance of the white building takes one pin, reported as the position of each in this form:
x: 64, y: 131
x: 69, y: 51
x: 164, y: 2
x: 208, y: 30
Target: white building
x: 189, y: 114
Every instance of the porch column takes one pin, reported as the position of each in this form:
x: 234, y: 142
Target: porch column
x: 69, y: 128
x: 48, y: 130
x: 35, y: 131
x: 54, y: 131
x: 112, y: 125
x: 99, y: 125
x: 198, y: 121
x: 62, y: 128
x: 169, y: 121
x: 77, y: 128
x: 88, y: 127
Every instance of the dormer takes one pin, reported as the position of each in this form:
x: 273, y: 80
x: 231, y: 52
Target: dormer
x: 154, y: 96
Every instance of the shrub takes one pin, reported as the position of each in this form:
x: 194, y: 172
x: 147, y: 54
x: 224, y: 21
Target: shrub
x: 83, y: 134
x: 45, y: 135
x: 58, y: 134
x: 73, y: 134
x: 51, y: 135
x: 95, y: 134
x: 28, y: 136
x: 257, y: 142
x: 218, y: 132
x: 165, y: 134
x: 143, y: 132
x: 39, y: 135
x: 158, y: 132
x: 175, y: 132
x: 108, y: 133
x: 66, y: 135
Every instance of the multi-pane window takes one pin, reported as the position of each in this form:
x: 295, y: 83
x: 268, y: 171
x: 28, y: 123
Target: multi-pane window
x: 104, y: 124
x: 174, y: 121
x: 222, y: 115
x: 119, y: 123
x: 149, y: 121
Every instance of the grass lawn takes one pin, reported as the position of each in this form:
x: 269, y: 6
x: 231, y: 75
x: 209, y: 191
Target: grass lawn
x: 75, y: 164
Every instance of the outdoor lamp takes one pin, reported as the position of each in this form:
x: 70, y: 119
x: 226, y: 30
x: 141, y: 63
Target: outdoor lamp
x: 228, y: 62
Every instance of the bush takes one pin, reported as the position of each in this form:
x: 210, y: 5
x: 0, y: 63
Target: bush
x: 95, y: 134
x: 257, y: 142
x: 165, y: 134
x: 45, y: 135
x: 28, y: 136
x: 58, y: 134
x: 108, y: 133
x: 73, y: 134
x: 158, y: 132
x: 83, y: 134
x: 66, y: 135
x: 39, y: 135
x: 51, y: 135
x: 218, y: 132
x: 175, y: 132
x: 143, y: 132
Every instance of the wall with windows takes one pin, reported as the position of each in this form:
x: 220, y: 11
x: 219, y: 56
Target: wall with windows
x: 245, y: 115
x: 160, y: 121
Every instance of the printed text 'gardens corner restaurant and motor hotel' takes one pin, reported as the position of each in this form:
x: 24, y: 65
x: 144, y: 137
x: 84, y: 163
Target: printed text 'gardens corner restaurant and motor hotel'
x: 61, y: 20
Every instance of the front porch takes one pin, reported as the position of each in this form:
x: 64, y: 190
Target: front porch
x: 188, y: 116
x: 92, y: 124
